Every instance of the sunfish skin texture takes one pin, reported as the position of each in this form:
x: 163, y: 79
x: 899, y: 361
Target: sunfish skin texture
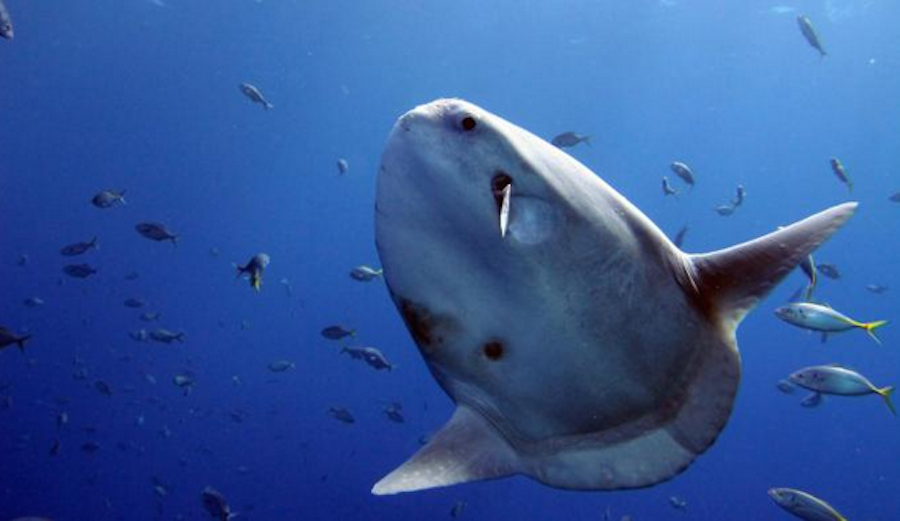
x: 582, y: 348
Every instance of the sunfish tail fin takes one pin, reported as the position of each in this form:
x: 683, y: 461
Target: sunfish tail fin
x: 730, y: 282
x: 886, y: 393
x: 467, y: 448
x: 870, y: 328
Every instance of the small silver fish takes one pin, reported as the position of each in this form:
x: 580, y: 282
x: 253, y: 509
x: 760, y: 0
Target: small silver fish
x: 79, y: 271
x: 108, y: 198
x: 811, y: 401
x: 809, y: 32
x: 134, y: 303
x: 166, y: 337
x: 150, y: 316
x: 139, y: 335
x: 817, y: 317
x: 33, y: 302
x: 280, y: 366
x: 829, y: 270
x: 877, y: 289
x: 804, y: 505
x: 79, y: 248
x: 216, y: 504
x: 341, y: 414
x: 725, y: 210
x: 679, y: 237
x: 570, y: 139
x: 838, y: 168
x: 254, y: 269
x: 684, y: 172
x: 667, y: 188
x: 343, y: 166
x: 365, y: 273
x: 156, y: 232
x: 840, y: 381
x: 6, y: 25
x: 678, y: 503
x: 394, y: 412
x: 740, y: 194
x: 255, y: 95
x: 376, y: 359
x: 337, y: 332
x: 786, y: 386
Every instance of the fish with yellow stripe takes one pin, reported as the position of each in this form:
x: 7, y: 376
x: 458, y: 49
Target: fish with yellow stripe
x: 818, y: 317
x: 837, y: 380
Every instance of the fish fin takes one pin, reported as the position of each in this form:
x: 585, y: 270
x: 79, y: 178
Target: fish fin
x: 870, y: 328
x: 730, y: 282
x: 20, y: 342
x: 467, y: 448
x: 886, y: 392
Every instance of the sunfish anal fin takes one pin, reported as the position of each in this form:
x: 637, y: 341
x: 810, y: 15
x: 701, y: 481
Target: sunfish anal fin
x: 730, y: 282
x: 467, y: 448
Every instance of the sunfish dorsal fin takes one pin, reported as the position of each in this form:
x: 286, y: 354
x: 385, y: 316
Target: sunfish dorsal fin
x: 730, y: 282
x: 467, y: 448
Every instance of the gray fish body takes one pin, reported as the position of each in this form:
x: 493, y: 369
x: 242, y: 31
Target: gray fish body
x: 877, y: 289
x: 725, y: 210
x: 667, y: 187
x: 809, y: 32
x: 108, y: 198
x: 832, y: 379
x: 394, y: 412
x: 343, y: 166
x: 166, y: 337
x: 804, y: 505
x: 841, y: 173
x: 341, y: 414
x: 829, y: 270
x: 616, y: 402
x: 156, y: 232
x: 336, y: 332
x: 365, y: 273
x: 570, y: 139
x: 376, y: 359
x: 280, y: 366
x: 9, y: 338
x: 79, y: 271
x: 684, y: 172
x: 255, y: 95
x: 33, y: 302
x: 134, y: 303
x: 6, y: 25
x: 78, y: 248
x: 216, y: 504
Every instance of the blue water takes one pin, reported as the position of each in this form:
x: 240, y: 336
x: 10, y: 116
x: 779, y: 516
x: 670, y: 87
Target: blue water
x: 130, y: 94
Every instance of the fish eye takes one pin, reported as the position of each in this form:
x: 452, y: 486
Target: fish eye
x: 493, y: 350
x: 468, y: 123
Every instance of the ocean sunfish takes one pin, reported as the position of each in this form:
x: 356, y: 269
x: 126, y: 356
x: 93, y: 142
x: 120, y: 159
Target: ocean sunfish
x: 582, y: 348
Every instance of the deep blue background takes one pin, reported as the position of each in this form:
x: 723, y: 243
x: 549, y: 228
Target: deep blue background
x: 128, y: 94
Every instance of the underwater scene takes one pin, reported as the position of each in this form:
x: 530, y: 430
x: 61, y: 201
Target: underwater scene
x: 364, y: 260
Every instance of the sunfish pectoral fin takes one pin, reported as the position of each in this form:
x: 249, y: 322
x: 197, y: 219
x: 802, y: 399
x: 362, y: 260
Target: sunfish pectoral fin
x: 467, y: 448
x: 504, y: 210
x: 730, y: 282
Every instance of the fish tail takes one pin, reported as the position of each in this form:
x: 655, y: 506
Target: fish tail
x: 587, y: 140
x: 886, y: 392
x: 20, y: 342
x: 94, y: 244
x: 256, y: 281
x: 122, y: 197
x: 870, y: 328
x: 268, y: 105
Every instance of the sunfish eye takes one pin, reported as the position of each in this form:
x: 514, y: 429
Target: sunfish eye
x: 468, y: 123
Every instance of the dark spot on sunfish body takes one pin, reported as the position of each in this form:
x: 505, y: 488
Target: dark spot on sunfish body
x: 493, y: 350
x: 419, y: 321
